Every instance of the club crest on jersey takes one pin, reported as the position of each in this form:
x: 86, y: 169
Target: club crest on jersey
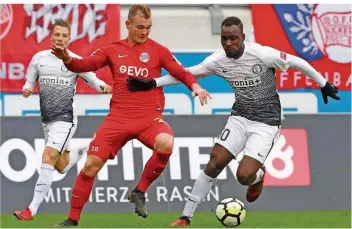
x: 144, y: 57
x: 63, y: 68
x: 257, y: 68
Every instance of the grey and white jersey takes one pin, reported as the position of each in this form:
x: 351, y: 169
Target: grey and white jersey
x: 253, y: 79
x: 57, y: 86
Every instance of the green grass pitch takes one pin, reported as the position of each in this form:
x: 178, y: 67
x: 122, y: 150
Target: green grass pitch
x: 316, y: 219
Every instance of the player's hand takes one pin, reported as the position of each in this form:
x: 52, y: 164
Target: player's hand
x: 61, y: 53
x: 27, y: 92
x: 202, y: 94
x: 329, y: 90
x: 135, y: 84
x: 106, y: 88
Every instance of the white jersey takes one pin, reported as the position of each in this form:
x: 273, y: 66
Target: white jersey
x: 254, y: 126
x: 252, y: 77
x: 57, y: 86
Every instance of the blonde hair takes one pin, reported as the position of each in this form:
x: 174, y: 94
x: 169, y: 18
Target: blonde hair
x: 62, y: 23
x: 142, y: 10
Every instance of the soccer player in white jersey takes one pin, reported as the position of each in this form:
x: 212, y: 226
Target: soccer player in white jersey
x: 255, y: 121
x: 57, y: 87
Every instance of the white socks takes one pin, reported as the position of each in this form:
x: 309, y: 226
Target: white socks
x: 45, y: 178
x: 200, y: 189
x: 259, y: 175
x: 42, y: 186
x: 75, y: 155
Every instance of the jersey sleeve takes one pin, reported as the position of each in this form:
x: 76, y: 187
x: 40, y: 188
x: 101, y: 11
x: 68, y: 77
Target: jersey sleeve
x: 200, y: 70
x: 281, y: 60
x: 32, y: 73
x: 206, y: 67
x: 170, y: 64
x: 92, y: 80
x: 95, y: 61
x: 274, y: 58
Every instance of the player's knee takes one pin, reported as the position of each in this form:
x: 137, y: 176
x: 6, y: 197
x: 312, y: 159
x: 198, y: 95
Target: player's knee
x: 60, y: 166
x: 244, y: 176
x: 213, y: 169
x: 164, y: 143
x: 60, y: 170
x: 93, y: 165
x: 50, y: 156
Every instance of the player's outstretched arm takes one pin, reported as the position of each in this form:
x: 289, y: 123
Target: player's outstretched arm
x: 201, y: 70
x: 92, y: 80
x: 179, y: 72
x: 283, y: 61
x: 136, y: 84
x: 92, y: 63
x: 327, y: 89
x: 198, y: 71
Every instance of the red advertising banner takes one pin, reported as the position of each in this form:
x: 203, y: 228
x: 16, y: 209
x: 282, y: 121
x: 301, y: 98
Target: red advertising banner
x: 288, y: 162
x: 26, y: 30
x: 318, y: 33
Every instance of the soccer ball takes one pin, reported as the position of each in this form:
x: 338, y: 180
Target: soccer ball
x: 230, y: 212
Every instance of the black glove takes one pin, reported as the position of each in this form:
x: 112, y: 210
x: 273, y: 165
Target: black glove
x: 329, y: 90
x: 135, y: 84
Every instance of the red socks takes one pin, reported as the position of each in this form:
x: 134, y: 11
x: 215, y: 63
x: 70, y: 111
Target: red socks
x: 84, y: 184
x: 154, y: 167
x: 80, y: 195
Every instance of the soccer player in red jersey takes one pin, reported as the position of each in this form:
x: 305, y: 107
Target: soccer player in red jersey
x: 133, y: 115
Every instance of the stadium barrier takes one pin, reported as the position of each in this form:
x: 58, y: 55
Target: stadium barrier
x: 308, y: 168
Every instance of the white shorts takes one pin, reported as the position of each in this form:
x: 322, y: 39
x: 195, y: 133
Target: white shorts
x: 255, y: 139
x: 58, y: 134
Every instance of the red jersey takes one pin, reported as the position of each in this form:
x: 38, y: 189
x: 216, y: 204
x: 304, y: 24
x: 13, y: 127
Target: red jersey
x: 144, y: 61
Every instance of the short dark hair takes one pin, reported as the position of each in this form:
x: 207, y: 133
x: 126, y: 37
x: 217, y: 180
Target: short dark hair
x: 229, y: 21
x: 62, y: 23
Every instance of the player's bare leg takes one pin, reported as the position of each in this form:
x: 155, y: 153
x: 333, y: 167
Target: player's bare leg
x: 62, y: 162
x: 70, y: 158
x: 50, y: 157
x: 220, y: 157
x: 251, y: 173
x: 82, y: 189
x: 163, y: 146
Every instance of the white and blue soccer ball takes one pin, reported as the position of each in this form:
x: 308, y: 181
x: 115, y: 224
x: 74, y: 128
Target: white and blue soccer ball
x: 230, y: 212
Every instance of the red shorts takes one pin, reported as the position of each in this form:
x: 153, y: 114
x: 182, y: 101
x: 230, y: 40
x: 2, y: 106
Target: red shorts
x: 116, y: 131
